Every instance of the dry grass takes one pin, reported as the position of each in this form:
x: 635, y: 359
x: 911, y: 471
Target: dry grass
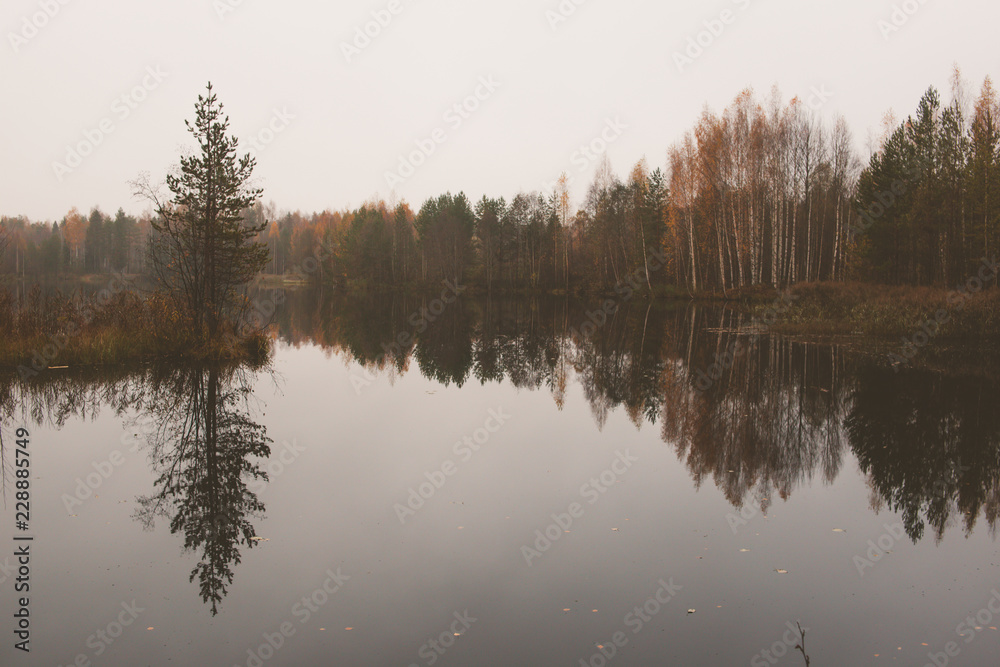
x: 59, y: 330
x: 888, y: 311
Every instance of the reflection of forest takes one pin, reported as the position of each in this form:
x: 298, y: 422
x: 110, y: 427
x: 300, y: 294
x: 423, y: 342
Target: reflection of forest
x: 780, y: 414
x: 195, y: 426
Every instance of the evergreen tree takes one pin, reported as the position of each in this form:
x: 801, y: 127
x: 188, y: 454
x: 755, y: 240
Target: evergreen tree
x: 203, y: 250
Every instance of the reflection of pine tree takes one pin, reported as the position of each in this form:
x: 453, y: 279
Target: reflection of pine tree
x: 202, y: 445
x: 202, y: 453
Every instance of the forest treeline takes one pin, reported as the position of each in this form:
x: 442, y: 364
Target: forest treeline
x: 765, y: 193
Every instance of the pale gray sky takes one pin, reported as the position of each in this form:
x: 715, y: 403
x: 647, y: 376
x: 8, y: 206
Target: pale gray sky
x: 335, y: 128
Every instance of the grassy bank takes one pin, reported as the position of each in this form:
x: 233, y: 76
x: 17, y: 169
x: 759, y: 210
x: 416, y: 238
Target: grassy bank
x: 55, y: 330
x: 880, y: 311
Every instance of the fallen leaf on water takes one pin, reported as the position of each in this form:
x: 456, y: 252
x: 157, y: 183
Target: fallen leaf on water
x: 782, y: 571
x: 691, y: 611
x: 743, y: 551
x: 259, y: 539
x: 839, y: 530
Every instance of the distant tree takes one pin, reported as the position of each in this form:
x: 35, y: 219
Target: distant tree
x: 445, y: 228
x: 123, y: 232
x: 489, y: 213
x: 75, y: 231
x: 96, y: 242
x: 202, y: 249
x: 983, y: 173
x: 563, y: 209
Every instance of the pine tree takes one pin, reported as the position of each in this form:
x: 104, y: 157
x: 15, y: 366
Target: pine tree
x: 203, y: 250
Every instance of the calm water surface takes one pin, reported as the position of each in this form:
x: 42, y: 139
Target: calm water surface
x: 511, y: 487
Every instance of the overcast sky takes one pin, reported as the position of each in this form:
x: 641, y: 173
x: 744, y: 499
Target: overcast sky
x: 115, y: 79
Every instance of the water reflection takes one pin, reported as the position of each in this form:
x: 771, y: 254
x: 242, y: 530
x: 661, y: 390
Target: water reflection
x: 930, y: 446
x: 196, y: 427
x: 758, y: 422
x: 206, y: 450
x: 756, y: 416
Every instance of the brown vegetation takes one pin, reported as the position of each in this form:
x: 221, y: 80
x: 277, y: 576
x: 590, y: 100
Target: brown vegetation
x: 54, y: 329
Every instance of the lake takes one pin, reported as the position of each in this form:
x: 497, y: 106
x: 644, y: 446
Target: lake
x: 510, y: 482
